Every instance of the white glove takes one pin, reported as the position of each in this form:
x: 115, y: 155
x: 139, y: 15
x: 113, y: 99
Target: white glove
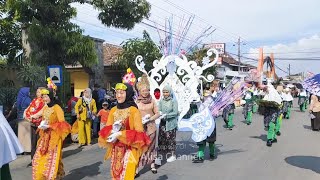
x: 146, y: 119
x: 113, y: 137
x: 116, y: 126
x: 43, y: 125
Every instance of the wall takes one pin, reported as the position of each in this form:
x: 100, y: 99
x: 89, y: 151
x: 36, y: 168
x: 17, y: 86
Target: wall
x: 80, y: 79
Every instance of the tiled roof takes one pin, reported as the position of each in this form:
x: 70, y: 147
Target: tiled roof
x: 110, y: 53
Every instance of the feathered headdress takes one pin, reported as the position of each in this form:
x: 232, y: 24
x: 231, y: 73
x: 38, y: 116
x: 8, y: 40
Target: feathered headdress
x: 129, y: 78
x: 143, y: 83
x: 51, y: 84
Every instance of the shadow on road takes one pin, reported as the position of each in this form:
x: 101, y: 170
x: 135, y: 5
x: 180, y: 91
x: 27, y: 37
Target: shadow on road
x: 85, y: 171
x: 71, y: 152
x: 263, y: 137
x: 163, y: 177
x: 305, y: 162
x: 307, y: 127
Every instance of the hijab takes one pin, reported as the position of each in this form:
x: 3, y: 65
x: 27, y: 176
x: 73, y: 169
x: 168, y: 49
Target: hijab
x: 169, y: 89
x: 129, y: 101
x: 85, y: 99
x: 23, y: 94
x: 53, y: 100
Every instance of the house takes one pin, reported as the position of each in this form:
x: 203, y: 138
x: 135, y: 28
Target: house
x: 107, y: 54
x: 229, y: 68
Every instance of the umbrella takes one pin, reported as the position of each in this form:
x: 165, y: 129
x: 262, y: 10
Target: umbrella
x: 312, y: 84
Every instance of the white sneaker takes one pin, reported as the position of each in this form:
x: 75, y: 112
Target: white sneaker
x: 171, y: 159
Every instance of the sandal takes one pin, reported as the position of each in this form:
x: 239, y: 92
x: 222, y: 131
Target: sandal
x: 154, y: 170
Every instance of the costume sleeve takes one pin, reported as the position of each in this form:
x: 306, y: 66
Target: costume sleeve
x: 76, y: 107
x: 60, y: 127
x: 174, y: 112
x: 94, y: 107
x: 136, y: 137
x: 105, y: 133
x: 155, y: 111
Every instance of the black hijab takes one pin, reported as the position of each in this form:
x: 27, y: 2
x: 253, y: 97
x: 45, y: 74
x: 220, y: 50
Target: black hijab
x: 129, y: 98
x: 53, y: 100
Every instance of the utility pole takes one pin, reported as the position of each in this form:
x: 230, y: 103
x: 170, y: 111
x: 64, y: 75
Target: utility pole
x: 239, y: 44
x: 289, y: 69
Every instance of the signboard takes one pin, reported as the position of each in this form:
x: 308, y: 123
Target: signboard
x: 55, y: 73
x: 219, y: 46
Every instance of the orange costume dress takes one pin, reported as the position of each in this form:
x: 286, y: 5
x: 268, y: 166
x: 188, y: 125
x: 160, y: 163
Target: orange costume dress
x: 47, y: 162
x: 130, y: 145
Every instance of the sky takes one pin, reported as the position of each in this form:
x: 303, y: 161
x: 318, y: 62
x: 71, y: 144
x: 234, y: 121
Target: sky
x: 288, y: 28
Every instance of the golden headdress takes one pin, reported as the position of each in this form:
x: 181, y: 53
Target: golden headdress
x: 143, y: 83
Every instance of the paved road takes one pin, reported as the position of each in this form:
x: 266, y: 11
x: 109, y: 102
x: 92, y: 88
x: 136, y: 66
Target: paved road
x: 242, y: 155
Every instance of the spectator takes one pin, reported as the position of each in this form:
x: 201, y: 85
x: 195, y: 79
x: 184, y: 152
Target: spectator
x: 71, y: 104
x: 24, y: 127
x: 103, y: 114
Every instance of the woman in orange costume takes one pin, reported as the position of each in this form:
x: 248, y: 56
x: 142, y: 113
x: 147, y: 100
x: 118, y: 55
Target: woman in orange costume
x: 123, y: 135
x: 47, y: 161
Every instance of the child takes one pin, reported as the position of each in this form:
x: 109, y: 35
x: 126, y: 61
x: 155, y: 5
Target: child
x: 103, y: 114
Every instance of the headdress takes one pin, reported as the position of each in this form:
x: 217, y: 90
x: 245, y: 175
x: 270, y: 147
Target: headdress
x: 129, y: 78
x: 143, y: 83
x: 51, y: 84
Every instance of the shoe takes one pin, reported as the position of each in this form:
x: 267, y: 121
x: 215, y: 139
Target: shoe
x: 274, y: 140
x: 137, y: 175
x: 248, y: 123
x: 269, y: 142
x: 171, y: 159
x: 29, y: 165
x: 154, y: 170
x: 80, y: 146
x: 212, y: 157
x: 278, y: 133
x: 230, y: 128
x: 198, y: 160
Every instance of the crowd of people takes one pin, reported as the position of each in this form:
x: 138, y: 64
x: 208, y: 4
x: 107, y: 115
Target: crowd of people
x: 134, y: 127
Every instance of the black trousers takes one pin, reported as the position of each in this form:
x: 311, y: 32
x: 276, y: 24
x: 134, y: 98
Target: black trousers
x: 34, y: 140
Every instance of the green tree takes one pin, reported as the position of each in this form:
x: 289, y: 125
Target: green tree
x: 197, y: 55
x: 10, y: 35
x: 55, y: 40
x: 138, y: 46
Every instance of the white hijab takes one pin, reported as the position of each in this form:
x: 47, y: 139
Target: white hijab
x: 9, y: 143
x: 88, y: 100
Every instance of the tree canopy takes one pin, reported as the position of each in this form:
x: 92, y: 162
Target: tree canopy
x: 138, y: 46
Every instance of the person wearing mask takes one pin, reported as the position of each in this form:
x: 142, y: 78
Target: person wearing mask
x: 86, y: 110
x: 24, y: 127
x: 33, y: 114
x: 124, y: 136
x: 53, y: 129
x: 168, y: 125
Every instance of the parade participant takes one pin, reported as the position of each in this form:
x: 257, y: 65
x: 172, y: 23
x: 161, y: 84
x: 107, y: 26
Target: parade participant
x: 33, y: 114
x: 272, y: 103
x: 86, y: 110
x: 149, y: 112
x: 123, y: 135
x: 247, y: 110
x: 24, y: 127
x: 302, y: 102
x: 314, y: 110
x: 228, y: 114
x: 287, y: 103
x: 255, y: 99
x: 53, y: 129
x: 9, y: 148
x: 103, y: 114
x: 280, y: 113
x: 208, y: 99
x: 168, y: 125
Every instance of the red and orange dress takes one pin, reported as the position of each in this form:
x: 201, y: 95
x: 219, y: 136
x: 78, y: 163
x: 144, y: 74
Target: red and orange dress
x: 34, y: 112
x: 130, y: 145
